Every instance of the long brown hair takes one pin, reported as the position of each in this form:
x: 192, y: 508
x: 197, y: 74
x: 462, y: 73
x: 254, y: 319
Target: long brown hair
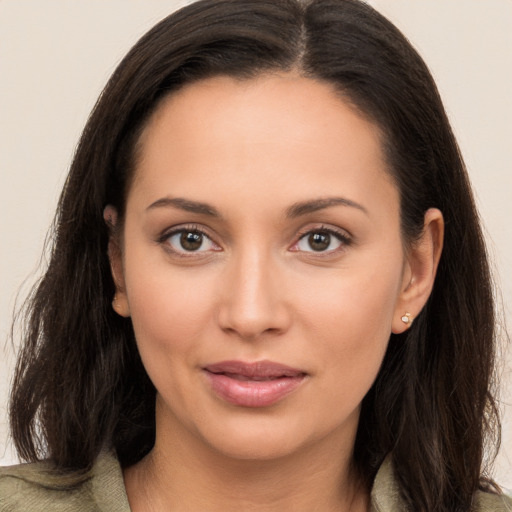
x: 80, y: 384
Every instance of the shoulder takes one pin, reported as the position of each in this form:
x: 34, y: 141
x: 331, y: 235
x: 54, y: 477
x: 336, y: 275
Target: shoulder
x: 489, y: 502
x: 37, y: 487
x: 386, y: 495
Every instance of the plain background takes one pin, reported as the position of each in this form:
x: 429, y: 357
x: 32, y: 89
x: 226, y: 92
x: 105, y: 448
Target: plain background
x: 55, y: 57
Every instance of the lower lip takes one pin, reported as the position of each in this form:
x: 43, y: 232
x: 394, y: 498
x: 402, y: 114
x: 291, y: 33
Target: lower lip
x: 252, y: 393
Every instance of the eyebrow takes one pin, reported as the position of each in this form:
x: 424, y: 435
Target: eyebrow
x: 186, y: 205
x: 305, y: 207
x: 295, y: 210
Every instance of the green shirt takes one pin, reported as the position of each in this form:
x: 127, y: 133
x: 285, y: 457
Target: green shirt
x: 32, y: 488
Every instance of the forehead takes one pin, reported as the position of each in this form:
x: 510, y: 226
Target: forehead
x: 275, y: 132
x: 257, y: 105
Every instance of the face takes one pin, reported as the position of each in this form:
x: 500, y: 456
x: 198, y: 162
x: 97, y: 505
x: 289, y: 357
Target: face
x: 262, y: 264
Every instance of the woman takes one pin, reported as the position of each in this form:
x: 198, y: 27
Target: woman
x: 269, y: 288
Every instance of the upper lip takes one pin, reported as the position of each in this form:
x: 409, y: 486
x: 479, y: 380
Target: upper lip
x: 256, y: 370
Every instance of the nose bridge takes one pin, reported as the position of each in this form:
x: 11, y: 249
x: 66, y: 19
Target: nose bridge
x: 253, y: 301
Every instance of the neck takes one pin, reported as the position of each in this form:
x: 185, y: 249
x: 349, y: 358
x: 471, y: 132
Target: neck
x: 178, y: 475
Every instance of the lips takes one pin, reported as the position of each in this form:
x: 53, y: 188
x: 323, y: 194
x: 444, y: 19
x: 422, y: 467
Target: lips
x: 259, y: 384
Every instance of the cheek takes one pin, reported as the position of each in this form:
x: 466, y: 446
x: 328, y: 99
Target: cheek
x: 355, y: 300
x: 351, y: 316
x: 170, y: 312
x: 169, y: 307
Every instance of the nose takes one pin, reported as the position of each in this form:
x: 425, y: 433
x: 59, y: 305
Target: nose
x: 253, y: 300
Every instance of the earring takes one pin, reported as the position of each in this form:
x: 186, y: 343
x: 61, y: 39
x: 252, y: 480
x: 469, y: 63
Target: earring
x: 114, y: 303
x: 407, y: 318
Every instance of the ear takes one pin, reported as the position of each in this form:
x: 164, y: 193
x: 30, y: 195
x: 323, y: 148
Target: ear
x: 420, y: 271
x: 120, y: 301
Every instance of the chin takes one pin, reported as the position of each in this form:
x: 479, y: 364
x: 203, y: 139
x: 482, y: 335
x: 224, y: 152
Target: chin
x: 256, y: 449
x: 262, y: 439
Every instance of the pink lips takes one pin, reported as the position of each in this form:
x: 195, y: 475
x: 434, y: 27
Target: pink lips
x: 257, y: 384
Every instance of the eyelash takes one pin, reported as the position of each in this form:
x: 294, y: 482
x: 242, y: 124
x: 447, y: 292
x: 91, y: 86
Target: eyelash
x: 342, y: 237
x: 164, y: 240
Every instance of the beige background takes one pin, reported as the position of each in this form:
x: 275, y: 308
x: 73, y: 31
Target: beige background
x: 56, y: 55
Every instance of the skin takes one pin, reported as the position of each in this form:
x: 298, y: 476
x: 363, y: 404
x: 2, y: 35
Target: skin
x: 256, y: 290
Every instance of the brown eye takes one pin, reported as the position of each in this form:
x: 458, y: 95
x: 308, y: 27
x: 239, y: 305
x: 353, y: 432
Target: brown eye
x: 319, y: 241
x: 191, y: 240
x: 322, y: 240
x: 185, y: 241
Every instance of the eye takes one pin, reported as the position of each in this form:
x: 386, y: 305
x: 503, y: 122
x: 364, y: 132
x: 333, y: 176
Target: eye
x: 321, y: 240
x: 189, y: 241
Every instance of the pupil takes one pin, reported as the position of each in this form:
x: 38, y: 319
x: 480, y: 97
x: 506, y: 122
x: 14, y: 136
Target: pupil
x: 319, y: 241
x: 191, y: 241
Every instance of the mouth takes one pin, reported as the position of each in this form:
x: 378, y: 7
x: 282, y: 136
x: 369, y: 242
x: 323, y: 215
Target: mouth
x: 259, y: 384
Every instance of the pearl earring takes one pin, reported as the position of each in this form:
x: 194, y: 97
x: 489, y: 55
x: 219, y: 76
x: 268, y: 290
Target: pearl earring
x: 407, y: 318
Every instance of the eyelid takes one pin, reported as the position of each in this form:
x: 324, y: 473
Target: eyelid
x: 169, y: 232
x: 341, y: 234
